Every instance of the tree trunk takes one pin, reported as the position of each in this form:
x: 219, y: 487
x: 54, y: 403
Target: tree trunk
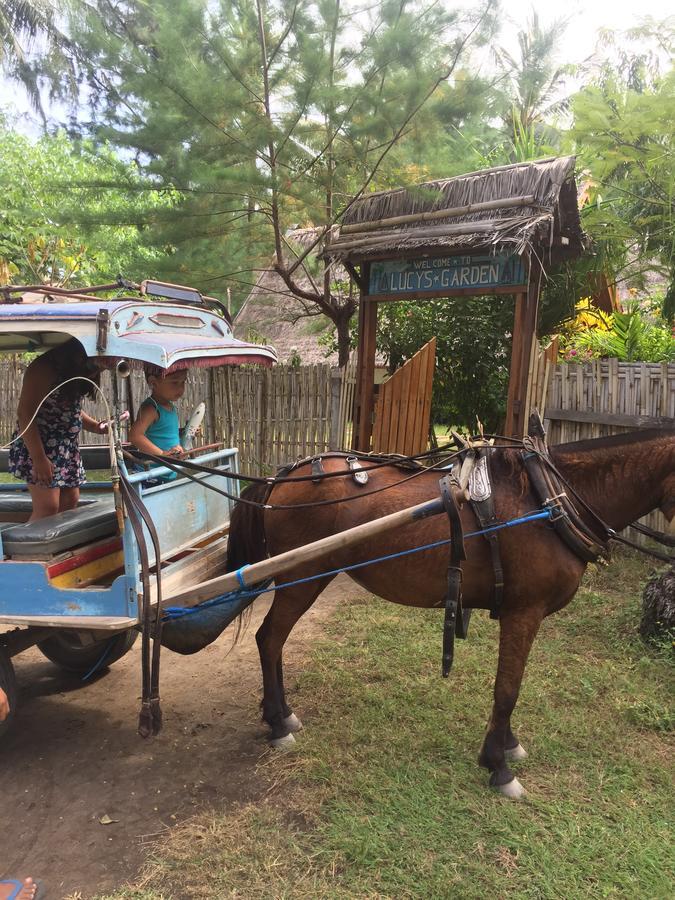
x: 343, y: 339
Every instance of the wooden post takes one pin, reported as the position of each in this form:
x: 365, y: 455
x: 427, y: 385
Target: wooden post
x: 524, y: 333
x: 334, y: 436
x: 513, y: 399
x: 365, y: 374
x: 286, y: 562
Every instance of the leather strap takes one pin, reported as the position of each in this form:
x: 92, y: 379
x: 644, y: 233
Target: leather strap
x: 317, y: 470
x: 453, y: 600
x: 150, y: 717
x: 485, y: 513
x: 565, y: 520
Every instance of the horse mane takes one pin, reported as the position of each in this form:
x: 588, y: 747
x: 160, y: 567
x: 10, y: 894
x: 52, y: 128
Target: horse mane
x: 506, y: 464
x: 614, y: 441
x: 589, y: 463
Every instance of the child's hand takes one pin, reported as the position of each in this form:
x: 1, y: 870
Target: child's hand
x: 43, y: 471
x: 175, y: 451
x: 4, y: 706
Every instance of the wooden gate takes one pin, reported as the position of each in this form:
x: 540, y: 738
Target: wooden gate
x: 404, y: 406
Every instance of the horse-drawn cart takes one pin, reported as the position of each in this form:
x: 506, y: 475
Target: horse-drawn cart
x: 155, y: 558
x: 72, y: 583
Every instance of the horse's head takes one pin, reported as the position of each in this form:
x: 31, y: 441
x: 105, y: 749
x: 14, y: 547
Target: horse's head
x: 623, y: 476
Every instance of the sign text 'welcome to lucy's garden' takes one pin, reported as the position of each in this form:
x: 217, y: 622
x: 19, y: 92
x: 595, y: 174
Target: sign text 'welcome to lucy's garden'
x: 445, y: 273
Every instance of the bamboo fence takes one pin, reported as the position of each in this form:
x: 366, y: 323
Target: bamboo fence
x: 606, y: 397
x: 274, y: 416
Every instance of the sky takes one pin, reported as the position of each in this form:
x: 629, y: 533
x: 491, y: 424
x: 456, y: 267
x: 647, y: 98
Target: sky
x: 585, y: 17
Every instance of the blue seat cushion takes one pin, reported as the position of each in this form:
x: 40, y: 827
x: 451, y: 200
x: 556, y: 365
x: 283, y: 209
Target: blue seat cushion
x: 19, y: 502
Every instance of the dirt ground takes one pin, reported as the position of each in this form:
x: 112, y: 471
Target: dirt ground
x: 73, y: 756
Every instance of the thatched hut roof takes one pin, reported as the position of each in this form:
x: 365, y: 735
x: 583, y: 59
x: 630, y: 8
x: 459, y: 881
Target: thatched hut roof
x: 272, y: 315
x: 513, y: 208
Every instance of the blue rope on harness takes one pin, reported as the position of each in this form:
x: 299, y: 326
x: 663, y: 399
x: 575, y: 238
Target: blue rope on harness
x: 177, y: 612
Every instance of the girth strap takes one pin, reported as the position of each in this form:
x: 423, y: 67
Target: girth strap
x: 483, y: 504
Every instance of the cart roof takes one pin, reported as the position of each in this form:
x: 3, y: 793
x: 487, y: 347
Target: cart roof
x: 164, y: 334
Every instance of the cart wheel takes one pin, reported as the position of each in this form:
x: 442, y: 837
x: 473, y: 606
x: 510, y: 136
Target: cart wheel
x: 8, y: 685
x: 66, y: 650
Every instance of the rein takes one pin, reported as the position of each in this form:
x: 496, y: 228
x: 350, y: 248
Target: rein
x: 381, y: 463
x: 469, y: 481
x: 179, y: 466
x: 663, y: 557
x: 588, y: 545
x: 657, y: 536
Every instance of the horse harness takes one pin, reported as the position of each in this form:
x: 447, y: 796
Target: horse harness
x: 587, y: 542
x: 473, y: 483
x: 470, y: 481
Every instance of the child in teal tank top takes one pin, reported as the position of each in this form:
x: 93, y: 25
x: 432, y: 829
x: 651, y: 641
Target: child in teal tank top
x: 156, y: 429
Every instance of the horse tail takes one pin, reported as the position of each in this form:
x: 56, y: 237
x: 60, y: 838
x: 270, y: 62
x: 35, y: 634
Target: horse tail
x: 246, y: 543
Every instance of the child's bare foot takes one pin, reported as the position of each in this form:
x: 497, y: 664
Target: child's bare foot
x: 18, y: 890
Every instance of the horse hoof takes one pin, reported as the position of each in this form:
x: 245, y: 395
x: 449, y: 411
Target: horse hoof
x: 282, y: 743
x: 515, y: 754
x: 293, y: 723
x: 512, y: 789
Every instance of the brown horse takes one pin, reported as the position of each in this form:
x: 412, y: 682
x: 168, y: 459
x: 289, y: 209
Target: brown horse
x: 621, y: 478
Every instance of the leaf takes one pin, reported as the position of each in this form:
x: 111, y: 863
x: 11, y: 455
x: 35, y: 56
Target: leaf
x: 106, y: 820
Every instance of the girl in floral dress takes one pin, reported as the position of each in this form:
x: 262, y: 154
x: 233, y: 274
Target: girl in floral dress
x: 47, y: 455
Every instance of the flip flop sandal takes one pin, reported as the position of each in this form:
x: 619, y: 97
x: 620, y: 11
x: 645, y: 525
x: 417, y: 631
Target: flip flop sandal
x: 18, y: 887
x: 187, y: 433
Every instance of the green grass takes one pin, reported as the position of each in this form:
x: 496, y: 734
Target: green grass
x: 383, y: 797
x: 92, y: 475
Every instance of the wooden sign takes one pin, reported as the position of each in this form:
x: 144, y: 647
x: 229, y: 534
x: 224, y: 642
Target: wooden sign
x: 446, y: 274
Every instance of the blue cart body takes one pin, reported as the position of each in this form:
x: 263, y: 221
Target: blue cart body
x: 44, y: 580
x: 184, y: 512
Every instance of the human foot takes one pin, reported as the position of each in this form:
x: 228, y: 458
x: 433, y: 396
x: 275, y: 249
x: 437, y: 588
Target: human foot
x: 12, y: 889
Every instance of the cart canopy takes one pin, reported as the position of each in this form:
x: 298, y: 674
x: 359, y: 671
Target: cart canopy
x: 166, y: 334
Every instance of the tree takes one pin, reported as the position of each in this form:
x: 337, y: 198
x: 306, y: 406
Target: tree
x: 473, y: 350
x: 531, y: 83
x: 623, y: 130
x: 261, y: 115
x: 510, y: 115
x: 23, y: 23
x: 39, y: 242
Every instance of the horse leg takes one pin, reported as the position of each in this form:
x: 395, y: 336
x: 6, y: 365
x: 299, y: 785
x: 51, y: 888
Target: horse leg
x: 513, y: 749
x: 517, y: 632
x: 288, y: 606
x: 290, y: 719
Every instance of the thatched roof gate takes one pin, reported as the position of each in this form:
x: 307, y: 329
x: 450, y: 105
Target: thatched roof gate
x: 509, y: 224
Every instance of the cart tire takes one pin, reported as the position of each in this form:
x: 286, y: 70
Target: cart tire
x: 65, y: 650
x: 8, y: 685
